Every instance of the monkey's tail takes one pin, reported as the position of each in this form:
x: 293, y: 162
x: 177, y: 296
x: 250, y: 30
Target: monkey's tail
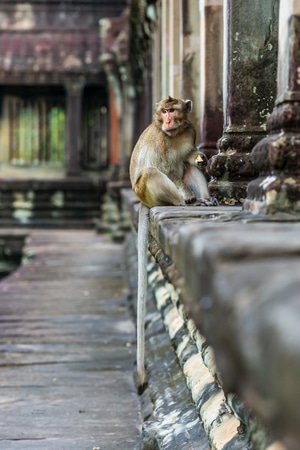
x: 143, y: 231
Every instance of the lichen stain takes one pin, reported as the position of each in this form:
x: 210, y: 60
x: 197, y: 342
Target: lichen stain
x: 290, y: 181
x: 22, y: 201
x: 271, y: 197
x: 57, y: 199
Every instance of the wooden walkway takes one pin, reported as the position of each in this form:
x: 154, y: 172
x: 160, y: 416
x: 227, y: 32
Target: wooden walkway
x: 67, y: 348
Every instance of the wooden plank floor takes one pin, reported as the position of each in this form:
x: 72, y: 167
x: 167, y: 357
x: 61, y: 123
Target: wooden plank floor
x: 67, y: 348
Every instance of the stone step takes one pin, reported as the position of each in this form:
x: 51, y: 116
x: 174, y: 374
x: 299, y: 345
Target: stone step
x: 67, y: 203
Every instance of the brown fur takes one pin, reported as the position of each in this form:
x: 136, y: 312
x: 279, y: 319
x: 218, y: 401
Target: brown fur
x: 161, y: 155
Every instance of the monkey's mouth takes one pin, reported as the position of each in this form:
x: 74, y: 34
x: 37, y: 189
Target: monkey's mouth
x: 170, y: 131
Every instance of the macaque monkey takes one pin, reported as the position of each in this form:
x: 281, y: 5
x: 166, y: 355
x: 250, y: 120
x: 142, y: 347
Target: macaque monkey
x: 164, y: 163
x: 164, y: 170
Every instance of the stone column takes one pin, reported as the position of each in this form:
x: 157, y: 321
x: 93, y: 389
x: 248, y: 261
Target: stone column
x: 157, y: 55
x: 277, y: 157
x: 115, y: 127
x: 5, y: 133
x: 191, y: 59
x: 74, y: 88
x: 249, y: 88
x: 165, y: 43
x: 175, y: 46
x: 211, y: 75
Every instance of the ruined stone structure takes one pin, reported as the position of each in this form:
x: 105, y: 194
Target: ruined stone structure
x: 250, y: 56
x: 224, y: 280
x: 276, y: 158
x: 51, y: 50
x: 54, y: 109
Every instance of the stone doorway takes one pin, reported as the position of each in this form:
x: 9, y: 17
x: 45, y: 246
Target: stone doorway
x: 33, y: 126
x: 95, y: 154
x: 33, y: 123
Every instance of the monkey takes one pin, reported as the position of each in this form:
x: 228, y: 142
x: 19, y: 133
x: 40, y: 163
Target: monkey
x: 164, y: 171
x: 163, y: 166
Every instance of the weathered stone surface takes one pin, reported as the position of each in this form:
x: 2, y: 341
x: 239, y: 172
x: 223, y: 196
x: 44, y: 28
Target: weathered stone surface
x: 213, y: 260
x: 239, y: 275
x: 250, y: 90
x: 211, y: 93
x: 39, y: 42
x: 166, y: 222
x: 67, y: 347
x: 276, y: 158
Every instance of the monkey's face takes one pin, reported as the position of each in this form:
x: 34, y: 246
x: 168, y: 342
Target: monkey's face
x: 170, y: 119
x: 171, y: 115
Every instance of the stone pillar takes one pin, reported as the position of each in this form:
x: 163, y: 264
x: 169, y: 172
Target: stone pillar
x: 74, y: 88
x: 157, y: 55
x: 277, y: 157
x: 175, y: 45
x: 115, y: 127
x: 191, y: 59
x: 165, y: 43
x: 249, y: 88
x: 5, y: 132
x: 211, y: 75
x: 127, y: 123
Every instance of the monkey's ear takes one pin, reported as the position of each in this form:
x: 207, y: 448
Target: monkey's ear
x: 189, y: 105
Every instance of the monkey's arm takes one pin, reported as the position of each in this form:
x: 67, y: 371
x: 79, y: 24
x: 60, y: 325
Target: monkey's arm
x: 186, y: 192
x: 197, y: 158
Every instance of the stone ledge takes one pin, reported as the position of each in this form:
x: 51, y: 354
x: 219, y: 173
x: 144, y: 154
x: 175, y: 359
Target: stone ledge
x: 244, y: 286
x: 233, y: 279
x: 252, y: 331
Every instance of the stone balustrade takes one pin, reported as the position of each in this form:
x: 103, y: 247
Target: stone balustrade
x: 227, y: 286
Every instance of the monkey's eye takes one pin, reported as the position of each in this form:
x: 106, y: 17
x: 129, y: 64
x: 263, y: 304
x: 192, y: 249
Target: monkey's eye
x: 164, y: 111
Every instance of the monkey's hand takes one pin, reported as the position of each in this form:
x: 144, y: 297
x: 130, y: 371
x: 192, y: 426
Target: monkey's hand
x: 204, y: 202
x: 201, y: 160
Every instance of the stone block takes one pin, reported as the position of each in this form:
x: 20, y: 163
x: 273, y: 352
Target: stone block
x: 167, y: 221
x: 243, y: 281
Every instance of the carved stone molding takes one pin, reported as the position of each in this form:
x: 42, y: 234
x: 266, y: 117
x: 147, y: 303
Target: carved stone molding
x: 249, y: 91
x: 277, y: 157
x: 232, y: 168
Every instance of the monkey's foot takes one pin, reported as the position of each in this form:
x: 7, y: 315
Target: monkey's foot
x: 204, y: 202
x: 142, y: 387
x: 190, y: 201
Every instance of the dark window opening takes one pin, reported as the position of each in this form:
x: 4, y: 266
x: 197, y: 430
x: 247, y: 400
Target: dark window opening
x: 33, y: 126
x: 36, y: 125
x: 95, y: 128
